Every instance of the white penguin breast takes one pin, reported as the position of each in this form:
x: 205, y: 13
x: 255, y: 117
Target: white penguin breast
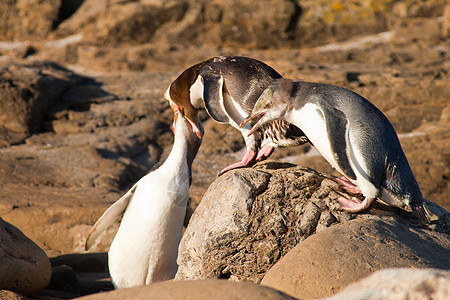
x: 155, y: 196
x: 311, y: 121
x: 146, y: 244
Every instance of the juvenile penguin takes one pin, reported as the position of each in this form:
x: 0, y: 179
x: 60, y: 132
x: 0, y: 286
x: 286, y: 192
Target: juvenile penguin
x: 352, y: 135
x: 228, y: 87
x: 145, y: 247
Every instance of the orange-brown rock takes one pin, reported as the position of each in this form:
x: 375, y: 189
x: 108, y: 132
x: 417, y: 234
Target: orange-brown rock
x: 197, y: 289
x: 328, y: 261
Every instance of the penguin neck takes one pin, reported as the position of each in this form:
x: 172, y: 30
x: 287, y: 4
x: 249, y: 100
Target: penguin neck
x: 177, y: 162
x: 290, y: 116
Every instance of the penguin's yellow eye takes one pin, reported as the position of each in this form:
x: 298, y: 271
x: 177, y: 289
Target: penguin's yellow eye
x: 268, y: 105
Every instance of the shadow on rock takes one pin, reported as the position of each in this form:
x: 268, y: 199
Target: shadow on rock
x: 32, y: 93
x: 75, y: 275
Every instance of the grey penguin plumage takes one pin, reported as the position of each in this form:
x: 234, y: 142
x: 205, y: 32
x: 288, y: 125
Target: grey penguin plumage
x: 228, y: 87
x: 352, y: 135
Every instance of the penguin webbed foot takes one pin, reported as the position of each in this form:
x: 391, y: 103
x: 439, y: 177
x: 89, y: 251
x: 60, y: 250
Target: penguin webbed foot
x: 353, y: 205
x: 247, y: 161
x: 264, y: 152
x: 348, y: 185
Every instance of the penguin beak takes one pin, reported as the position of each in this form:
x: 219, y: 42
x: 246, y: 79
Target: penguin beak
x: 256, y: 126
x: 175, y: 119
x: 176, y: 111
x: 189, y: 114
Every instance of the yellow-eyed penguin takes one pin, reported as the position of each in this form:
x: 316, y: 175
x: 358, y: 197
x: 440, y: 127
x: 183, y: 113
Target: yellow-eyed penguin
x: 352, y: 135
x: 145, y: 247
x: 228, y: 87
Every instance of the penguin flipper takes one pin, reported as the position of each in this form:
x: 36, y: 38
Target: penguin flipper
x: 213, y: 97
x: 337, y: 128
x: 108, y: 217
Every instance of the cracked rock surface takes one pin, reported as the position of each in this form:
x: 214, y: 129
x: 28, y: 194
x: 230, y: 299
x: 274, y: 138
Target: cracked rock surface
x: 248, y: 219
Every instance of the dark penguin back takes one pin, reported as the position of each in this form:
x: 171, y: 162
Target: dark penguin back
x: 244, y: 78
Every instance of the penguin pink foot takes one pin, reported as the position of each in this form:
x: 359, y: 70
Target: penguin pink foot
x: 348, y: 185
x: 354, y: 205
x: 264, y: 152
x: 245, y: 162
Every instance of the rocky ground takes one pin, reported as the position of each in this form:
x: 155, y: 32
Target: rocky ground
x: 82, y: 115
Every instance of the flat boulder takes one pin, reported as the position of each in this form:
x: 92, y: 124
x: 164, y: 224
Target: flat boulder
x: 24, y: 267
x: 195, y: 289
x: 328, y: 261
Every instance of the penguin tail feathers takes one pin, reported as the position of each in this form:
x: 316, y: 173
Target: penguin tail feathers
x: 421, y: 211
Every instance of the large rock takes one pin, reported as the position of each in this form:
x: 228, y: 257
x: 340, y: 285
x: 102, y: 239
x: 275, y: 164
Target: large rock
x: 242, y: 23
x: 328, y: 261
x: 321, y: 20
x: 27, y: 91
x: 24, y: 267
x: 238, y: 23
x: 27, y: 19
x: 184, y: 22
x: 399, y: 284
x: 248, y: 219
x: 123, y: 21
x: 197, y: 289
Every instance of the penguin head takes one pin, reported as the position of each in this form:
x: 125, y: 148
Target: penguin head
x: 269, y: 106
x: 181, y: 104
x: 184, y: 127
